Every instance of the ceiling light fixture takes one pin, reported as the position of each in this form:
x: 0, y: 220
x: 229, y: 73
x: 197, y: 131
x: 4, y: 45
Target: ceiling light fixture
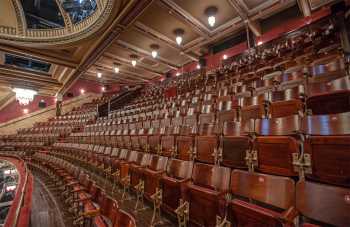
x: 224, y: 57
x: 133, y: 59
x: 154, y: 48
x: 178, y: 74
x: 179, y: 33
x: 25, y: 111
x: 211, y: 13
x: 82, y: 91
x: 99, y: 74
x: 133, y: 62
x: 24, y: 96
x: 116, y: 68
x: 154, y: 53
x: 103, y: 89
x: 259, y: 43
x: 198, y: 66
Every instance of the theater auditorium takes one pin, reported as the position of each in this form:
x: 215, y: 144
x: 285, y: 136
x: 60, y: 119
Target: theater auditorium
x: 174, y: 113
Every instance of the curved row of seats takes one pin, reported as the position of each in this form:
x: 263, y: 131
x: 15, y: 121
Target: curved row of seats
x: 259, y: 145
x: 88, y: 203
x: 277, y: 199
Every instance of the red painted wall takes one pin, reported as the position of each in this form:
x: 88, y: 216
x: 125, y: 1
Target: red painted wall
x: 293, y: 25
x: 214, y: 60
x: 14, y: 110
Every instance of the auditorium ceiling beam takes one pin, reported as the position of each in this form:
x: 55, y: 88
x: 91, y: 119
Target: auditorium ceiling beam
x: 304, y: 7
x: 122, y: 72
x: 243, y: 12
x: 124, y: 61
x: 107, y: 75
x: 144, y: 53
x: 186, y: 17
x: 153, y: 34
x: 129, y: 15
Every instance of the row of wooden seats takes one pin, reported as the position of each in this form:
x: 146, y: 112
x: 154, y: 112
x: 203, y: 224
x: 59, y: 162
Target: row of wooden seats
x: 87, y: 202
x: 273, y: 145
x: 177, y: 185
x: 334, y: 96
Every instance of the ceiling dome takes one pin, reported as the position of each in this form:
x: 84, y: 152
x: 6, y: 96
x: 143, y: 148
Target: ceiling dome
x: 51, y: 22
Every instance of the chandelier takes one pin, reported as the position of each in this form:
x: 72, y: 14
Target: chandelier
x: 24, y: 96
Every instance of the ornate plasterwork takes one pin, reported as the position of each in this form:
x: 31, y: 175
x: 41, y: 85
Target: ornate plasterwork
x: 70, y: 33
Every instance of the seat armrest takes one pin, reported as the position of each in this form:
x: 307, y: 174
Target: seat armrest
x: 289, y: 215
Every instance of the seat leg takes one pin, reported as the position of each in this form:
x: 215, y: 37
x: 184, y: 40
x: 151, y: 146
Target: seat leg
x: 222, y: 222
x: 140, y: 189
x: 182, y: 213
x: 126, y: 188
x: 157, y: 201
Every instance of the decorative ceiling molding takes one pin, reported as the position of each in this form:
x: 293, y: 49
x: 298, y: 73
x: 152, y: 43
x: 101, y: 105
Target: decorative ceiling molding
x: 21, y: 22
x: 40, y: 56
x: 130, y: 13
x: 59, y: 36
x: 66, y: 18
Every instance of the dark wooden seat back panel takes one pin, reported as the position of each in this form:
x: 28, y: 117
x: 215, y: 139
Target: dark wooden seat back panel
x: 331, y: 103
x: 212, y: 177
x: 179, y: 169
x: 157, y: 163
x: 168, y: 145
x: 275, y: 155
x: 324, y: 203
x: 241, y: 213
x: 234, y: 150
x: 205, y: 147
x: 184, y: 146
x: 330, y: 158
x: 273, y: 190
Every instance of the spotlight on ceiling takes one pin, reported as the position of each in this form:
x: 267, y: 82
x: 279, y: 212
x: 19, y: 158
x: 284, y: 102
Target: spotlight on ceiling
x: 133, y: 59
x: 116, y: 68
x: 154, y: 48
x: 103, y: 89
x: 179, y: 33
x: 211, y: 13
x: 82, y: 91
x: 198, y: 66
x: 224, y: 57
x: 259, y: 43
x: 99, y: 74
x: 178, y: 74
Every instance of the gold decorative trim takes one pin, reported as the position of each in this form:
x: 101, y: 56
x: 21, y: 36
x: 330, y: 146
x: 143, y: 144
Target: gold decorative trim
x: 21, y: 22
x: 56, y: 36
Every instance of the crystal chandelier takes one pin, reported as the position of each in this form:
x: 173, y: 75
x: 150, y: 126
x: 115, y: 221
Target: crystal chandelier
x: 24, y: 96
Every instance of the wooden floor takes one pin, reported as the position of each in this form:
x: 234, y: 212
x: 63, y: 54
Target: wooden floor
x: 45, y: 211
